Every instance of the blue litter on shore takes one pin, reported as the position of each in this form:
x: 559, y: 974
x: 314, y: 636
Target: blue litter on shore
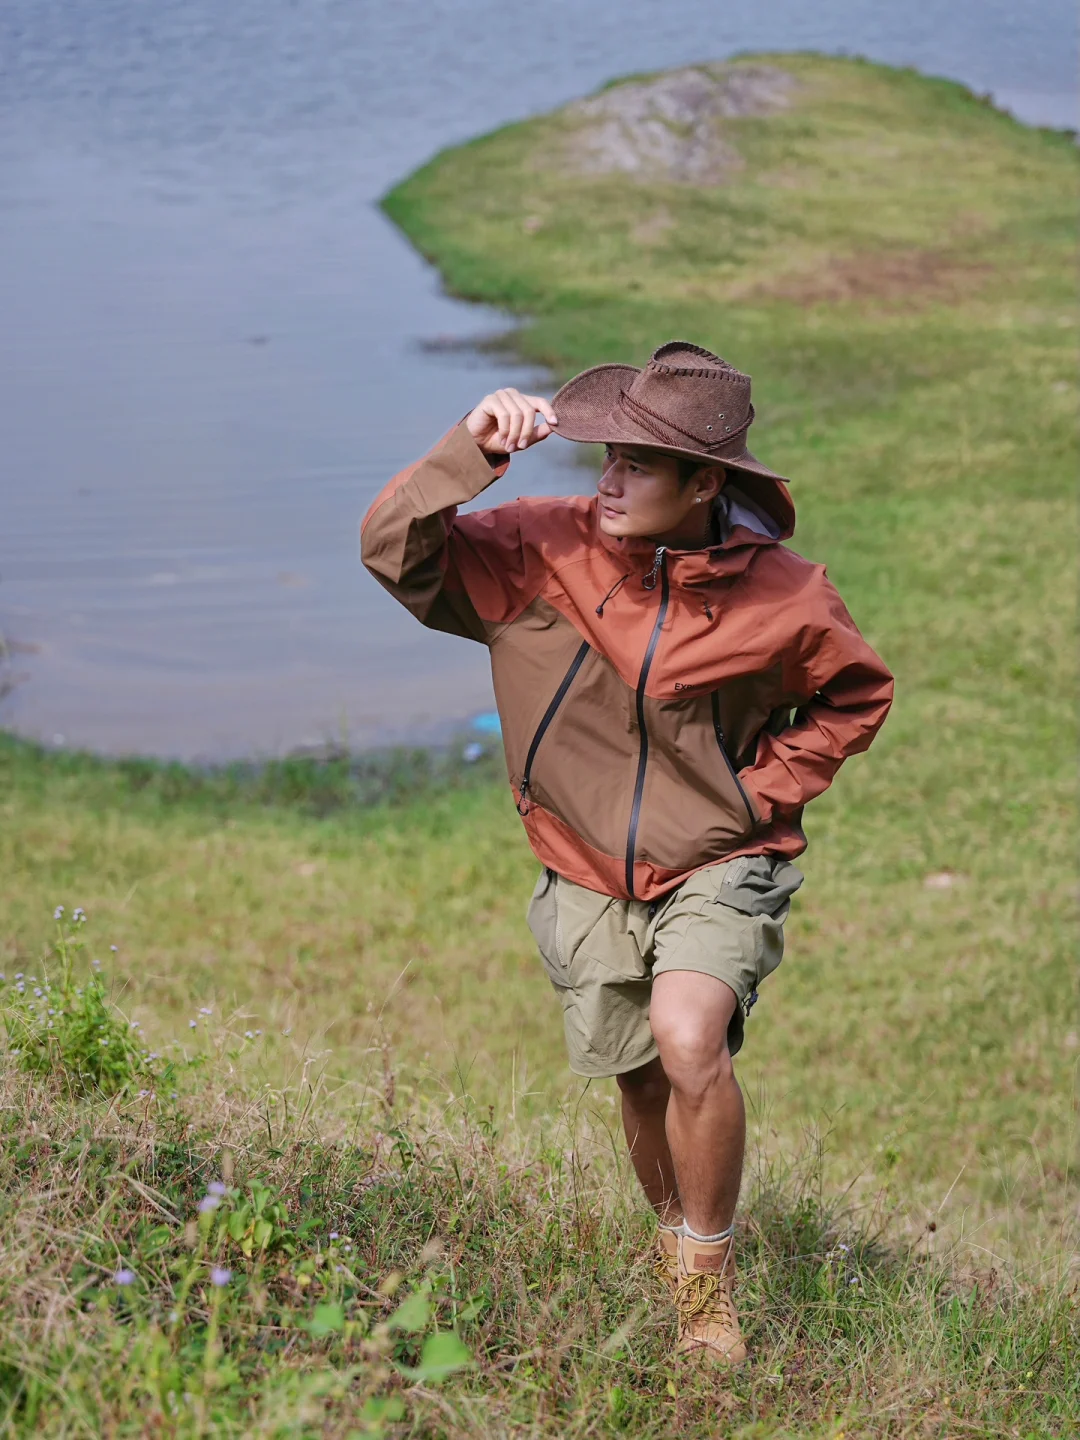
x: 487, y: 724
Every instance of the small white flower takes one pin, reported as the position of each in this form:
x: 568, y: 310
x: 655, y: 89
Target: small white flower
x: 249, y: 1035
x: 192, y: 1024
x: 58, y: 912
x: 219, y: 1276
x: 205, y: 1010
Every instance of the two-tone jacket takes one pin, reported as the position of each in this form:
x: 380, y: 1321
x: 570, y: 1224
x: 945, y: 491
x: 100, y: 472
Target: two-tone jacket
x: 662, y: 710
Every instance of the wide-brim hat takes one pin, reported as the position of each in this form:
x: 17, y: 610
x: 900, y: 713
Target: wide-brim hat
x: 686, y: 401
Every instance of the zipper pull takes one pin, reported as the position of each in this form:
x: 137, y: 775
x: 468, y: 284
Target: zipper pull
x: 649, y: 581
x: 523, y: 789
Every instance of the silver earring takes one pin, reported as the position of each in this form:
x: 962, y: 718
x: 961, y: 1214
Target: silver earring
x: 697, y: 499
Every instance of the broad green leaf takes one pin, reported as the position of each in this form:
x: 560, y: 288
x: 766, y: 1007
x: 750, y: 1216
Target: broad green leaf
x: 412, y: 1314
x: 262, y: 1232
x: 327, y: 1319
x: 443, y: 1353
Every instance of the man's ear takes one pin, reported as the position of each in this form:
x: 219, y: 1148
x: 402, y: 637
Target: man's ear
x: 709, y: 481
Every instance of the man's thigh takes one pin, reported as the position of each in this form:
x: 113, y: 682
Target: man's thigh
x: 727, y: 922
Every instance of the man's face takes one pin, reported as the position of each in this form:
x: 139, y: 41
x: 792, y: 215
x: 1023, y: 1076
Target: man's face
x: 640, y: 495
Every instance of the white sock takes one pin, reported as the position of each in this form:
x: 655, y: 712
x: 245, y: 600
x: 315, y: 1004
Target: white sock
x: 707, y: 1239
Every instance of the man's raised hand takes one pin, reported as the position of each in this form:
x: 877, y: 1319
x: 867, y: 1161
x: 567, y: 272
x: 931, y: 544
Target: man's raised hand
x: 508, y: 420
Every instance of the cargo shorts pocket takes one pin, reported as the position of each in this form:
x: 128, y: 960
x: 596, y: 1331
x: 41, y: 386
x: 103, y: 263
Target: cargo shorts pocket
x: 760, y: 887
x: 593, y: 959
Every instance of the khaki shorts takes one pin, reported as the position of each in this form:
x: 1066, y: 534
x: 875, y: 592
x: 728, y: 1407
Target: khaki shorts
x: 601, y: 954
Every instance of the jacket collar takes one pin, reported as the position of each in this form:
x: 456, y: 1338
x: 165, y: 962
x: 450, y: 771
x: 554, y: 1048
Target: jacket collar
x: 756, y: 513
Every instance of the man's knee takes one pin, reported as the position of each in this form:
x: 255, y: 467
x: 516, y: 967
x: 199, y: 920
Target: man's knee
x: 646, y: 1084
x: 693, y: 1045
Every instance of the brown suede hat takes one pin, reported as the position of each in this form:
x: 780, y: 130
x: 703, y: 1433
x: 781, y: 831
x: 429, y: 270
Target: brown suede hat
x: 686, y: 401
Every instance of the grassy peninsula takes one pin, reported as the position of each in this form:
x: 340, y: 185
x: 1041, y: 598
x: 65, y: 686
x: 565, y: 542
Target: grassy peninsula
x: 344, y: 1187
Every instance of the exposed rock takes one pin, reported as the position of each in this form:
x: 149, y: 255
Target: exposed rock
x: 671, y: 128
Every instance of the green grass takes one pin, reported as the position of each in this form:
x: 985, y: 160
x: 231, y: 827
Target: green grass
x: 893, y: 266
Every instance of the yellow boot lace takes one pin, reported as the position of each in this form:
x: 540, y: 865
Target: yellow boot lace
x: 663, y: 1267
x: 706, y: 1297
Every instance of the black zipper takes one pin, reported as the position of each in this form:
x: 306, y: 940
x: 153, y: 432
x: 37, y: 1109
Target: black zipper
x: 649, y: 582
x: 548, y: 716
x: 719, y: 729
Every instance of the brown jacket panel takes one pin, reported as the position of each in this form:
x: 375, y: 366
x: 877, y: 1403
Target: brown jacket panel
x: 584, y: 766
x: 691, y: 803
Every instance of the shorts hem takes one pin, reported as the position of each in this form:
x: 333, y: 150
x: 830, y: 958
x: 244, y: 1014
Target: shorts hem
x: 622, y: 1068
x: 735, y: 982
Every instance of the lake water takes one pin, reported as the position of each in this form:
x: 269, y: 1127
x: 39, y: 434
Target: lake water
x: 214, y: 348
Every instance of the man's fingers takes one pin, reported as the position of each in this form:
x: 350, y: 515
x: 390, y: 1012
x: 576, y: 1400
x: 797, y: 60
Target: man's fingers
x: 515, y: 421
x: 501, y: 416
x: 528, y: 421
x: 544, y: 408
x: 515, y: 416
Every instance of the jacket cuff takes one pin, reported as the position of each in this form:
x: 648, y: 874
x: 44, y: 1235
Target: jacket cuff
x: 498, y: 462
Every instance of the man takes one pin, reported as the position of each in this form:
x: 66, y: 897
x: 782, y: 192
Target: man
x: 674, y: 686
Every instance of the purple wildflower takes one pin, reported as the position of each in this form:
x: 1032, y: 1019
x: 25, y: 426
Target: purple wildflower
x: 123, y: 1277
x: 219, y: 1276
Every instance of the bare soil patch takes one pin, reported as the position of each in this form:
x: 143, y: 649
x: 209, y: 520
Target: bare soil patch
x: 899, y: 276
x: 671, y: 128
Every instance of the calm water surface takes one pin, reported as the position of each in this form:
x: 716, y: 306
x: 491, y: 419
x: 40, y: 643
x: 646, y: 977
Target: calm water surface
x: 213, y: 346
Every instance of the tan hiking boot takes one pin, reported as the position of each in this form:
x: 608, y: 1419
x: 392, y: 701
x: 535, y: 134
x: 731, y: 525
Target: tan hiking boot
x: 708, y: 1321
x: 666, y: 1264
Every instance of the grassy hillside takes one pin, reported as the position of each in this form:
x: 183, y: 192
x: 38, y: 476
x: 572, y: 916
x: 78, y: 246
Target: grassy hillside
x: 892, y: 261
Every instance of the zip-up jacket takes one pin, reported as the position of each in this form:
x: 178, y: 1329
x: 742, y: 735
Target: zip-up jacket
x: 662, y: 710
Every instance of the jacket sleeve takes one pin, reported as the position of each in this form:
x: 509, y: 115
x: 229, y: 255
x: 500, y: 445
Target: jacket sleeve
x: 851, y: 691
x: 458, y: 575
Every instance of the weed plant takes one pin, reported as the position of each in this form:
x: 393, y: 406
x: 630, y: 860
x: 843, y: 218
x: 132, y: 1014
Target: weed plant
x: 235, y: 1258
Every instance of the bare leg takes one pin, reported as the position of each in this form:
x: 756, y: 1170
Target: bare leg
x: 706, y: 1121
x: 644, y: 1113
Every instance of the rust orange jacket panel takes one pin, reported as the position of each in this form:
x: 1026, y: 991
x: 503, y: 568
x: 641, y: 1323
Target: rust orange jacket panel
x: 662, y: 710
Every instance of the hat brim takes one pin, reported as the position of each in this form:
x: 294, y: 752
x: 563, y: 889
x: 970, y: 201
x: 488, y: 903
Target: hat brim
x: 588, y: 413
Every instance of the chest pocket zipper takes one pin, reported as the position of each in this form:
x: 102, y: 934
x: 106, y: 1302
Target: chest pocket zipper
x: 718, y: 730
x: 545, y: 721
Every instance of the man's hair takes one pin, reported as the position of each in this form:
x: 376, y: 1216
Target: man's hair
x: 688, y: 468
